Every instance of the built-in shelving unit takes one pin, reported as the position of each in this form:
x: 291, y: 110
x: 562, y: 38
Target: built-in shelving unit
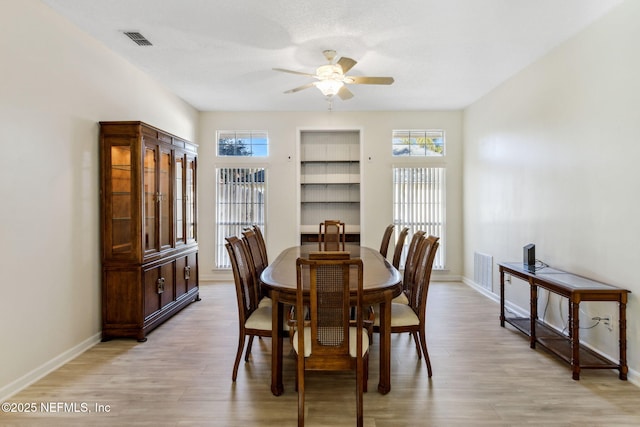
x: 329, y: 181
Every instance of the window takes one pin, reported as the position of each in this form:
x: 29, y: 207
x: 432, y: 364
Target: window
x: 240, y: 203
x: 418, y: 143
x: 243, y: 143
x: 418, y: 203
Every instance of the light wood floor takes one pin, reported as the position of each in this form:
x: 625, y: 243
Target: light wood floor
x: 484, y: 375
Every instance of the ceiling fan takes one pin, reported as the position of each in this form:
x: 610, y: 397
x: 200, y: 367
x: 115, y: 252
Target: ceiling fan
x: 332, y: 78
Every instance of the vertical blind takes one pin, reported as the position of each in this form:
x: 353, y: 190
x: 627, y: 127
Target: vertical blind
x: 418, y: 203
x: 240, y: 203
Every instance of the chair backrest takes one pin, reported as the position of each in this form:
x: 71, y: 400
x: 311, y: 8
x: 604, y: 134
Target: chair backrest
x: 246, y: 289
x: 386, y: 237
x: 328, y: 284
x: 262, y: 242
x: 331, y: 235
x: 397, y: 251
x: 253, y: 245
x: 422, y: 278
x: 410, y: 261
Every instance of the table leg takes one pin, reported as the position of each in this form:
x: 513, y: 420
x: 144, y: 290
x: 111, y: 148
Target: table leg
x: 384, y: 386
x: 533, y: 310
x: 570, y: 318
x: 501, y: 297
x: 277, y: 387
x: 575, y: 339
x: 622, y: 329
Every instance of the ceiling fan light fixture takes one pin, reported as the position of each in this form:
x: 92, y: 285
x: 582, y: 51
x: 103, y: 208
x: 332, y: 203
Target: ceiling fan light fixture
x: 331, y: 71
x: 329, y: 87
x: 331, y: 79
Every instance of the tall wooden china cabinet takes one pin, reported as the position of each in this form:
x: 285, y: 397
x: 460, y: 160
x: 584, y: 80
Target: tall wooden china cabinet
x: 149, y: 227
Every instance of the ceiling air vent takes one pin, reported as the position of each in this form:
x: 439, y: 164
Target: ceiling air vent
x: 138, y: 38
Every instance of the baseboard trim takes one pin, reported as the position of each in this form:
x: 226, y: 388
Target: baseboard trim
x: 50, y: 366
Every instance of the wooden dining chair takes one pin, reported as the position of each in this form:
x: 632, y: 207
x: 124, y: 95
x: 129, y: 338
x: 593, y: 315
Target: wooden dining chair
x: 330, y: 340
x: 262, y: 243
x: 252, y: 320
x: 409, y: 266
x: 331, y: 235
x: 386, y: 237
x: 411, y: 317
x: 399, y: 248
x: 257, y: 262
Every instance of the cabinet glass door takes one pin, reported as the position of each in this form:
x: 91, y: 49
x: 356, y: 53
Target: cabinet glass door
x: 179, y: 199
x: 190, y: 198
x: 150, y: 199
x: 164, y: 200
x: 120, y: 181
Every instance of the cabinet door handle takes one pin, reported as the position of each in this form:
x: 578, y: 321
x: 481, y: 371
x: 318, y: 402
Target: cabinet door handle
x: 187, y: 272
x: 160, y: 197
x: 160, y: 285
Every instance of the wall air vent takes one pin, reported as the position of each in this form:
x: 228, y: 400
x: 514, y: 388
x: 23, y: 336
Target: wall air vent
x: 138, y: 38
x: 483, y: 270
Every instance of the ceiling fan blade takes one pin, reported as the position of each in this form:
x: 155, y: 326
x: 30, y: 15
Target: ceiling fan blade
x: 369, y: 80
x: 345, y: 93
x: 346, y: 63
x: 299, y: 88
x: 294, y: 72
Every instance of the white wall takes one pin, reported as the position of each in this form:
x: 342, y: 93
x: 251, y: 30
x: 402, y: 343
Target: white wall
x: 376, y: 186
x: 56, y: 83
x: 551, y: 158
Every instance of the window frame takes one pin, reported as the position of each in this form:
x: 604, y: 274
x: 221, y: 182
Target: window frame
x: 425, y: 132
x: 423, y: 162
x: 221, y: 132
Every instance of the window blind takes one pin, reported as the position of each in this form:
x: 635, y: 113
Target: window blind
x: 418, y: 203
x: 240, y: 203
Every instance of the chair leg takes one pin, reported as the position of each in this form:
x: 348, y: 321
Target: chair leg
x: 248, y: 352
x: 300, y: 389
x: 238, y: 355
x: 365, y: 373
x: 360, y: 388
x: 423, y: 341
x: 414, y: 335
x: 296, y: 380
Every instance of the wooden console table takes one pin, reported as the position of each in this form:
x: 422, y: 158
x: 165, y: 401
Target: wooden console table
x: 575, y: 289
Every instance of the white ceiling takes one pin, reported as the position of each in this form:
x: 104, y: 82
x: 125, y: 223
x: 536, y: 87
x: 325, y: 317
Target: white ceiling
x: 218, y: 55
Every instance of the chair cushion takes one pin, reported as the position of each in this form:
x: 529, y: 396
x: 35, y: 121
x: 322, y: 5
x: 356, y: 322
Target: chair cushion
x: 266, y: 302
x: 352, y: 341
x: 401, y: 315
x: 401, y: 299
x: 260, y: 319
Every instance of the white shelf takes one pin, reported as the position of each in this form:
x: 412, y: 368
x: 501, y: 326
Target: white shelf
x: 337, y: 179
x: 315, y: 193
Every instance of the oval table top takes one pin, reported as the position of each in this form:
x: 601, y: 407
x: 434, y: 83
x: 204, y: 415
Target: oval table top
x: 378, y: 274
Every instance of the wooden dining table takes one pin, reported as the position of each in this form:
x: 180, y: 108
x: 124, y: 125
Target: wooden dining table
x: 381, y: 283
